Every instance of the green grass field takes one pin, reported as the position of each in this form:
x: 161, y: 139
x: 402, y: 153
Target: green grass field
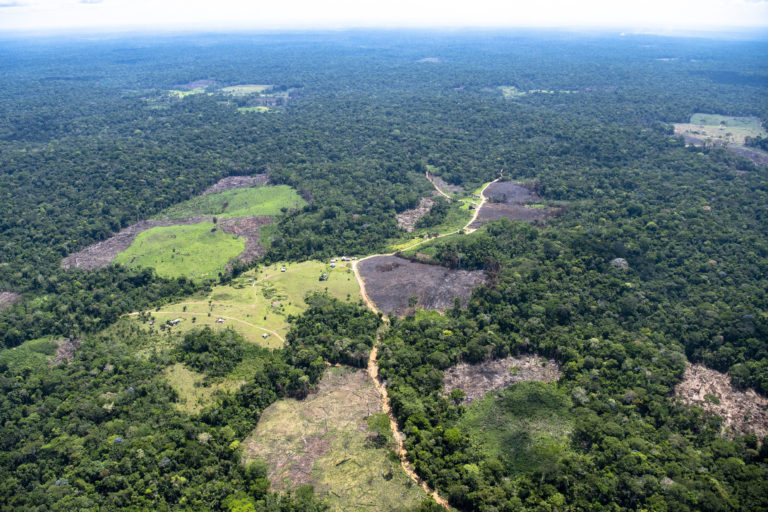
x: 32, y: 354
x: 183, y: 93
x: 239, y: 202
x: 721, y: 128
x: 192, y: 251
x: 525, y: 426
x: 338, y: 441
x: 259, y: 302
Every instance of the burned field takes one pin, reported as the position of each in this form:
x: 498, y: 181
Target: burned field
x: 509, y: 200
x: 477, y: 379
x: 743, y: 412
x: 8, y: 298
x: 391, y: 282
x: 231, y: 182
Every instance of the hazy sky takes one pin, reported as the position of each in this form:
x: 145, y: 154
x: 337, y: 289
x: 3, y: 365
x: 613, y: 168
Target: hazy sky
x: 664, y: 15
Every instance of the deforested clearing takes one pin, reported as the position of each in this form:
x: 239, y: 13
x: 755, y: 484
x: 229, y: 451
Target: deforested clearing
x: 407, y: 220
x: 8, y: 298
x: 398, y: 286
x: 231, y: 182
x: 510, y: 200
x: 478, y: 379
x: 743, y: 412
x: 336, y: 440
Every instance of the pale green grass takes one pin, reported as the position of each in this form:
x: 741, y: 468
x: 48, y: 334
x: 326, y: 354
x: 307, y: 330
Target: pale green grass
x: 511, y: 92
x: 239, y: 202
x: 194, y: 393
x: 244, y: 110
x: 32, y: 354
x: 193, y: 251
x: 245, y: 89
x: 183, y: 93
x: 331, y: 433
x: 260, y: 301
x: 721, y: 128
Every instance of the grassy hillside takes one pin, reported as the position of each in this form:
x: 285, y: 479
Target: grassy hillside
x: 260, y: 301
x: 193, y: 251
x: 239, y: 202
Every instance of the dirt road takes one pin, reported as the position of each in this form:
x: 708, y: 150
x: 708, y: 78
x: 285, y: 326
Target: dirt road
x: 373, y: 362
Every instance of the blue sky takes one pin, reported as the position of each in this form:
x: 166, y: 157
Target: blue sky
x: 640, y: 15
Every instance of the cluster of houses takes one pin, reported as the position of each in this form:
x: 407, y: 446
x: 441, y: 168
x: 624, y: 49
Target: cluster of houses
x: 343, y: 258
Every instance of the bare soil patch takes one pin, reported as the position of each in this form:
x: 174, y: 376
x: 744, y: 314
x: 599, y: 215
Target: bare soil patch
x: 478, y: 379
x: 508, y: 200
x: 248, y: 228
x: 757, y: 156
x: 101, y: 254
x: 231, y: 182
x: 65, y: 350
x: 8, y: 298
x: 408, y: 219
x: 293, y: 434
x: 390, y: 281
x: 743, y: 412
x: 326, y: 440
x: 444, y: 186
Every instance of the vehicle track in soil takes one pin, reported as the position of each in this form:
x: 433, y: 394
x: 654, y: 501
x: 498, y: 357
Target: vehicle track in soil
x: 373, y: 362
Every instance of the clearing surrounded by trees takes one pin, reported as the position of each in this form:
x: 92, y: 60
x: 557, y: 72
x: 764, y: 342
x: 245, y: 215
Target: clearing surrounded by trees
x: 475, y: 380
x: 717, y: 129
x: 198, y: 251
x: 510, y: 200
x: 258, y: 302
x: 743, y: 412
x: 391, y: 282
x: 337, y: 440
x: 8, y: 298
x: 237, y: 202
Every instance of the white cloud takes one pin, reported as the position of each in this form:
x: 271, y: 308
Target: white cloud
x: 669, y: 14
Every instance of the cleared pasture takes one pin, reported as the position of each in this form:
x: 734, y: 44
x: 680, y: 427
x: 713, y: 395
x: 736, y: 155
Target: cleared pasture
x: 197, y: 251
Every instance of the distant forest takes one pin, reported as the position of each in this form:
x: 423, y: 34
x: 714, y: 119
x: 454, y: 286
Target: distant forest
x: 92, y: 142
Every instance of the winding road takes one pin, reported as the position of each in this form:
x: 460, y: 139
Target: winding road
x: 373, y: 362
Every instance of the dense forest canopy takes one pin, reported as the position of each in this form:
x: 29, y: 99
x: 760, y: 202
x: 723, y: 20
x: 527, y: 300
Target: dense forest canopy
x: 92, y: 141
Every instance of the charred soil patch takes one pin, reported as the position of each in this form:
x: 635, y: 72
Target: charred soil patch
x: 743, y: 412
x: 391, y: 281
x: 477, y: 379
x: 509, y: 200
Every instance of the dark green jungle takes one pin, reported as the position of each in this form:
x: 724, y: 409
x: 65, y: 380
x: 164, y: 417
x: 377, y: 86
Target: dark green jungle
x: 90, y: 143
